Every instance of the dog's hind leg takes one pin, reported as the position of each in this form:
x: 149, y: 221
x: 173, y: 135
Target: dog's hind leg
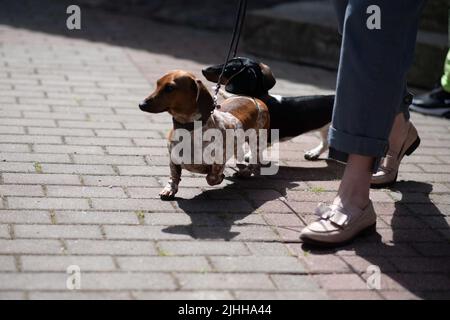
x: 216, y: 175
x: 254, y: 166
x: 315, y: 153
x: 242, y: 160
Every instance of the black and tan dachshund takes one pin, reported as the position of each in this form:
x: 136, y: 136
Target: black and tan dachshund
x: 293, y: 116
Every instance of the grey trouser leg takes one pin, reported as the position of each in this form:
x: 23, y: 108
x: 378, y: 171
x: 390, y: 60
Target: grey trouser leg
x: 371, y: 83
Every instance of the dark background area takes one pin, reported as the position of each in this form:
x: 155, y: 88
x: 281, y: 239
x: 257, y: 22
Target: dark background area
x: 211, y: 14
x: 219, y: 14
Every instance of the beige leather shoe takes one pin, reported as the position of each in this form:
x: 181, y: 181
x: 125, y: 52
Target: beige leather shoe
x: 388, y: 170
x: 336, y: 227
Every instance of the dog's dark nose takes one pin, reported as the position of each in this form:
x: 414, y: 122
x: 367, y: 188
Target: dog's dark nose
x: 211, y: 73
x: 143, y: 105
x: 205, y: 71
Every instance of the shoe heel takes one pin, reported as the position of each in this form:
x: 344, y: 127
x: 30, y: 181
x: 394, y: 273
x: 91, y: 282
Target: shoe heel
x: 413, y: 147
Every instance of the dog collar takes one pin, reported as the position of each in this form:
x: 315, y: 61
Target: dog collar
x: 189, y: 126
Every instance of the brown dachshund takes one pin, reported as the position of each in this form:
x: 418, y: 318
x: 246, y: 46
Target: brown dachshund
x: 186, y: 98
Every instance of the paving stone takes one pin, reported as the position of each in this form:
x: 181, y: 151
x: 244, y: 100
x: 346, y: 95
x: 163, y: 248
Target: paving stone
x: 280, y: 295
x: 341, y: 282
x: 77, y: 169
x: 236, y: 233
x: 144, y: 232
x: 77, y: 295
x: 12, y: 130
x: 95, y: 217
x: 61, y: 131
x: 131, y: 204
x: 128, y: 134
x: 258, y: 264
x: 106, y: 159
x: 47, y: 203
x: 223, y: 206
x: 6, y: 147
x: 295, y: 282
x: 25, y: 217
x: 85, y: 192
x: 164, y: 264
x: 49, y: 148
x: 203, y: 248
x: 421, y: 264
x: 30, y: 246
x: 183, y: 295
x: 399, y: 295
x: 21, y: 190
x: 17, y: 167
x: 61, y: 263
x: 153, y: 192
x: 4, y: 232
x: 7, y: 263
x: 88, y: 125
x: 267, y: 249
x: 53, y: 231
x: 97, y: 281
x: 323, y: 263
x: 216, y: 281
x: 34, y: 157
x: 12, y: 295
x: 27, y: 122
x: 142, y: 170
x: 283, y: 220
x: 354, y: 295
x: 361, y: 264
x: 120, y: 181
x: 18, y: 178
x: 111, y: 247
x: 128, y: 281
x: 99, y: 141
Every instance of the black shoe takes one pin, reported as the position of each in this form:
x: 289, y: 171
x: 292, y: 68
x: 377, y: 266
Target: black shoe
x: 436, y: 103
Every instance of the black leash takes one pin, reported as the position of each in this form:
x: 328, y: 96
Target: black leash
x: 237, y: 30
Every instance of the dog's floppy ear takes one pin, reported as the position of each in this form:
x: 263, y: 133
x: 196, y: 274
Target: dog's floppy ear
x: 268, y: 79
x: 244, y: 82
x: 205, y: 102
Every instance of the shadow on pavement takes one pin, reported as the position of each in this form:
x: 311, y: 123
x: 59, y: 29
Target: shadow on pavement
x: 413, y: 256
x: 128, y: 31
x: 225, y: 206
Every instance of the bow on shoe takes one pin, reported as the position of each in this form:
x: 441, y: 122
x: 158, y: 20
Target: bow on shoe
x: 333, y: 213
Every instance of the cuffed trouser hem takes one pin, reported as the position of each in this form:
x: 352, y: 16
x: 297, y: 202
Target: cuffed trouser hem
x: 352, y: 144
x: 342, y: 144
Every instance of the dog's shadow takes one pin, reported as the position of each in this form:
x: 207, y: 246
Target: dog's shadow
x: 215, y: 212
x: 413, y: 252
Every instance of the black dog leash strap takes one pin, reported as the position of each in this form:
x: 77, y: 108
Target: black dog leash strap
x: 238, y: 25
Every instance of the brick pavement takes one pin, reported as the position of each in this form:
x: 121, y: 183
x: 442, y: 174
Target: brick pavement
x: 81, y: 168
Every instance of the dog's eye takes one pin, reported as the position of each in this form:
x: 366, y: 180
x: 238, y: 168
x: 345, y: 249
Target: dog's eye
x: 169, y: 88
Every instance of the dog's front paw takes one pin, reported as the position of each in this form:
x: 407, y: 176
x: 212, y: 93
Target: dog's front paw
x: 213, y: 179
x: 314, y: 154
x: 168, y: 193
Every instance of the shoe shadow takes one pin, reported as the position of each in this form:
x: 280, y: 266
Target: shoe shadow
x: 412, y: 251
x: 221, y: 212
